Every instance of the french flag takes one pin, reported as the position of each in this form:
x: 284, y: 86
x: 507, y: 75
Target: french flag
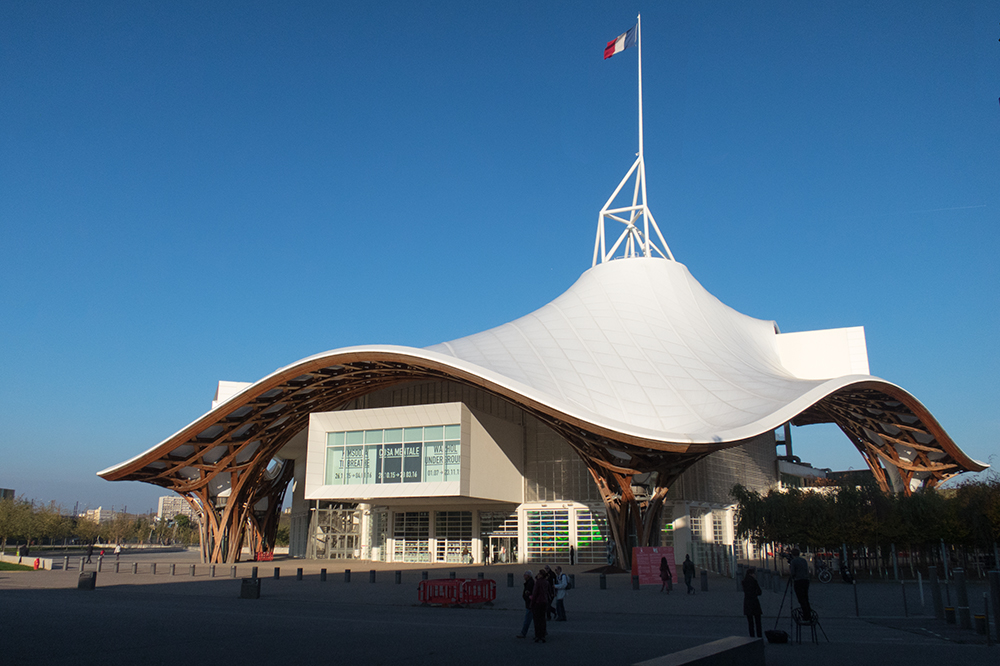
x: 620, y: 43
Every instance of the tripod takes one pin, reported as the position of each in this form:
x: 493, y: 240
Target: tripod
x: 796, y: 620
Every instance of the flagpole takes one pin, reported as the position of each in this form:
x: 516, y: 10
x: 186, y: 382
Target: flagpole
x: 642, y: 162
x: 638, y: 39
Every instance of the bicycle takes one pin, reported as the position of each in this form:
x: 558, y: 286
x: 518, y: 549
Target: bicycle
x: 823, y: 572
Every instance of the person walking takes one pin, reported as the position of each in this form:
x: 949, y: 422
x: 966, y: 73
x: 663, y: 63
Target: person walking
x: 529, y: 585
x: 562, y: 584
x: 90, y: 551
x: 751, y: 603
x: 799, y: 570
x: 666, y: 577
x: 688, y: 569
x: 540, y: 595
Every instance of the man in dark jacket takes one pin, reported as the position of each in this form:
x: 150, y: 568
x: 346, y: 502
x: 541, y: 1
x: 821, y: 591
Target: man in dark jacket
x: 529, y: 585
x: 688, y: 570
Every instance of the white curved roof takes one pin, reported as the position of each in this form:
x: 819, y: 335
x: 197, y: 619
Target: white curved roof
x: 640, y: 343
x: 635, y: 352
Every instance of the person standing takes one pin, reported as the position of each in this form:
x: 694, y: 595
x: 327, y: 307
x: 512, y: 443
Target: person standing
x: 529, y: 585
x: 540, y: 595
x: 688, y: 569
x: 751, y: 603
x: 562, y: 584
x: 666, y: 577
x: 799, y: 570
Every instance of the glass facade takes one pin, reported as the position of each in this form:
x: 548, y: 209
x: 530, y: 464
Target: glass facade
x: 411, y: 534
x: 453, y: 536
x: 394, y: 455
x: 547, y: 535
x: 591, y: 546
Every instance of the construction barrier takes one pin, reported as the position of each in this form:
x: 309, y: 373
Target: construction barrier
x: 456, y: 591
x: 264, y: 556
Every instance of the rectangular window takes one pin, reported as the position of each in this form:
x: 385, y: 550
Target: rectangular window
x: 394, y: 455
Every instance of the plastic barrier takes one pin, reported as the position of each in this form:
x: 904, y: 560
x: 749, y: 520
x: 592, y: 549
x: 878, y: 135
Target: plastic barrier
x: 456, y: 591
x: 264, y: 556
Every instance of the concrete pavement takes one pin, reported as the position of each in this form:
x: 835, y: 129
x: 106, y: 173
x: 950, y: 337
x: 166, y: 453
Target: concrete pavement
x: 164, y: 618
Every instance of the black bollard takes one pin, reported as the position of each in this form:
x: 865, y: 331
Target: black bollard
x: 152, y: 568
x: 66, y: 563
x: 116, y: 566
x: 298, y: 574
x: 371, y: 576
x: 399, y: 577
x: 604, y: 581
x: 704, y: 581
x: 253, y: 572
x: 211, y: 571
x: 906, y: 610
x: 173, y: 569
x: 100, y: 562
x: 135, y: 567
x: 82, y: 561
x: 479, y: 576
x: 572, y: 581
x: 322, y: 575
x: 635, y: 582
x: 232, y: 571
x: 347, y: 575
x: 423, y: 575
x: 192, y: 570
x: 510, y: 580
x: 451, y: 575
x: 277, y: 573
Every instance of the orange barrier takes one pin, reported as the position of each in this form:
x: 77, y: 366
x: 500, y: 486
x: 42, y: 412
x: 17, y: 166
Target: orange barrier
x: 264, y: 556
x: 456, y: 591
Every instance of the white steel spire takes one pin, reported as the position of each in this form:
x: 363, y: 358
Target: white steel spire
x: 635, y: 239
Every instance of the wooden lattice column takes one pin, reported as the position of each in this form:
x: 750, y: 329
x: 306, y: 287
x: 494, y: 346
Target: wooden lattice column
x: 266, y: 509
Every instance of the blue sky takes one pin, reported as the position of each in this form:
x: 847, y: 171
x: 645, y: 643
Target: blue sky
x: 198, y: 191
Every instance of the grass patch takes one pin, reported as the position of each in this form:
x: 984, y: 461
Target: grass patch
x: 9, y: 566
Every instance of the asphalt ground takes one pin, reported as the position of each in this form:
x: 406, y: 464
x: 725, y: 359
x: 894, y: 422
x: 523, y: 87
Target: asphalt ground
x: 163, y: 618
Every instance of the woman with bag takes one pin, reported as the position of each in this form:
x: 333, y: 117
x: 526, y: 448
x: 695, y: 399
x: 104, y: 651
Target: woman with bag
x: 665, y: 576
x: 751, y: 603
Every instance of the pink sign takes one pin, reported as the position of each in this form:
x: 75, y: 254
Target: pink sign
x: 646, y: 563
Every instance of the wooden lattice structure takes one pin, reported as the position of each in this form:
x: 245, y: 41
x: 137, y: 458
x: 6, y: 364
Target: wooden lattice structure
x: 224, y: 461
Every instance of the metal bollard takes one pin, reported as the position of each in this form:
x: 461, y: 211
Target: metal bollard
x: 371, y: 576
x: 572, y: 581
x: 479, y: 576
x: 253, y: 572
x: 298, y: 574
x: 100, y: 563
x: 399, y: 577
x: 135, y: 567
x: 704, y: 581
x: 962, y: 594
x: 81, y: 564
x: 906, y: 610
x: 635, y: 582
x: 173, y: 569
x: 232, y: 571
x: 192, y: 570
x: 347, y: 575
x: 423, y: 575
x: 116, y: 566
x: 211, y: 571
x: 451, y: 575
x: 510, y: 580
x: 277, y: 573
x: 936, y: 592
x: 322, y: 575
x: 66, y: 563
x: 153, y: 569
x: 604, y: 581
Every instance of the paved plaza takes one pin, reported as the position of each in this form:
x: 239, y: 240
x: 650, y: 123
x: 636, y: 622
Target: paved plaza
x: 164, y: 618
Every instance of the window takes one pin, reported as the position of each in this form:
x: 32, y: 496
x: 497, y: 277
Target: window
x: 394, y: 455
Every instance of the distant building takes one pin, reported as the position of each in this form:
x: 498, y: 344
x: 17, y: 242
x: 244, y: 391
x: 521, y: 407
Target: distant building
x: 100, y: 515
x: 6, y: 493
x: 171, y: 506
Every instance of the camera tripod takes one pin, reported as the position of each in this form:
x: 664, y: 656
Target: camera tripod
x: 796, y: 621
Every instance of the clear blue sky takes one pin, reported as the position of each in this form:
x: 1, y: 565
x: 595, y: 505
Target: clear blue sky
x: 196, y: 191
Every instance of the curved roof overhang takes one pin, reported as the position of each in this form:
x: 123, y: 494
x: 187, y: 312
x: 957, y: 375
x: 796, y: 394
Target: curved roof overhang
x: 637, y: 365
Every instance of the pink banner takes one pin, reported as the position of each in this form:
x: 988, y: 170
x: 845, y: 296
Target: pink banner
x: 646, y: 563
